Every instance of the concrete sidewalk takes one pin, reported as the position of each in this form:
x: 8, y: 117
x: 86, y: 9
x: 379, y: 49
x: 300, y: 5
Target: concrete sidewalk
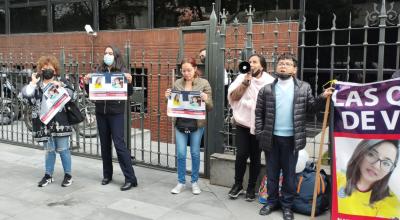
x: 20, y: 198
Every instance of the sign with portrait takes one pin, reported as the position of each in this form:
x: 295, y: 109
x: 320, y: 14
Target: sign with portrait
x: 108, y: 86
x: 186, y: 104
x: 54, y: 99
x: 366, y: 134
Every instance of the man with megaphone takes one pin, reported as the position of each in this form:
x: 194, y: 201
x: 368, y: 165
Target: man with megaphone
x: 242, y: 96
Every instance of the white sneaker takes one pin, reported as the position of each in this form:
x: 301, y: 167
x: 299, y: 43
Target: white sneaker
x: 196, y: 188
x: 178, y: 188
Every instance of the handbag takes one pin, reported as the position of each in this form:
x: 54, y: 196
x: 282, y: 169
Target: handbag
x: 186, y: 125
x: 74, y: 115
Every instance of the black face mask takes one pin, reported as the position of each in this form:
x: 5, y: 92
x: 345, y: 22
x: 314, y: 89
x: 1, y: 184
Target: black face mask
x: 48, y: 73
x: 283, y: 76
x: 255, y: 74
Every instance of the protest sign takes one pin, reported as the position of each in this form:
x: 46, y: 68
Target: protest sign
x: 108, y: 86
x: 54, y: 99
x: 186, y: 104
x: 366, y: 150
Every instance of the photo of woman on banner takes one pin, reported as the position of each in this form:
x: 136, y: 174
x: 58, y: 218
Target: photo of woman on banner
x: 176, y: 101
x: 117, y: 82
x: 363, y: 188
x: 98, y: 84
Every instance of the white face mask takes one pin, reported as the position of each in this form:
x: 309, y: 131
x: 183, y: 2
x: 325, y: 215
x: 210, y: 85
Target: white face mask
x: 108, y: 59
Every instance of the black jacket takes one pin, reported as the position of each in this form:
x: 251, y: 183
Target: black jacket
x: 304, y: 103
x: 59, y: 125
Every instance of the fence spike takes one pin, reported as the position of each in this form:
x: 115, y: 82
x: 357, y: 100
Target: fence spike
x: 350, y: 20
x: 334, y: 22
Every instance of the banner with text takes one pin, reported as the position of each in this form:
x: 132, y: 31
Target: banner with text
x: 366, y: 150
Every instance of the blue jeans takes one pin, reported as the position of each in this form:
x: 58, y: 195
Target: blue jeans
x: 181, y: 142
x: 61, y: 145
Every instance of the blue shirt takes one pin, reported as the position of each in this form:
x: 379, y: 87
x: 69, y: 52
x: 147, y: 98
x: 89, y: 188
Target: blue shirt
x: 284, y: 95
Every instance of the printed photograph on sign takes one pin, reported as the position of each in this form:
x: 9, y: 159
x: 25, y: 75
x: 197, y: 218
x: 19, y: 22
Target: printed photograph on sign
x: 99, y: 82
x: 195, y: 101
x: 117, y: 82
x: 367, y: 177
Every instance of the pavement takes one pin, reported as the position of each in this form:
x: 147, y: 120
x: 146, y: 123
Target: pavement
x: 20, y: 198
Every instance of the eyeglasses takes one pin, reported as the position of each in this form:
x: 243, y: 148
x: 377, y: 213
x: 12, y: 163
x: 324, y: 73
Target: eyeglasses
x: 285, y: 64
x: 386, y: 165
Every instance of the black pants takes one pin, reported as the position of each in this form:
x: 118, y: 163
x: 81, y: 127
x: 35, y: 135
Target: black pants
x: 247, y: 146
x: 111, y: 126
x: 281, y: 156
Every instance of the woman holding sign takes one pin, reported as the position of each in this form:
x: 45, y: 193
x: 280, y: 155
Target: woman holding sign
x: 190, y: 82
x: 110, y: 122
x: 364, y: 188
x: 55, y: 134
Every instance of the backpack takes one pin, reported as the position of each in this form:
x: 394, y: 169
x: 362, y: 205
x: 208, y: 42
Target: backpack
x: 305, y: 189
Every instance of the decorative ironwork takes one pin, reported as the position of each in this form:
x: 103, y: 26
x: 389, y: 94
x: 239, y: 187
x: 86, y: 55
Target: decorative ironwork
x: 383, y: 16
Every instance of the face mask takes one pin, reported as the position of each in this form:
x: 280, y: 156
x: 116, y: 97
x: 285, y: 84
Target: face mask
x: 48, y: 73
x: 283, y: 76
x: 108, y: 59
x: 256, y: 73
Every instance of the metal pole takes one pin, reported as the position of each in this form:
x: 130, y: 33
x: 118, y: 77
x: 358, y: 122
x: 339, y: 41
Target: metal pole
x: 381, y: 43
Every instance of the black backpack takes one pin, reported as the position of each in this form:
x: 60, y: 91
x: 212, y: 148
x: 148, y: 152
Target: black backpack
x: 305, y: 189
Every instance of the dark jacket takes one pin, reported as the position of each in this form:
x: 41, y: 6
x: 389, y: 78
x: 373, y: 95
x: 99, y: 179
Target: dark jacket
x: 59, y: 125
x: 111, y: 106
x: 304, y: 103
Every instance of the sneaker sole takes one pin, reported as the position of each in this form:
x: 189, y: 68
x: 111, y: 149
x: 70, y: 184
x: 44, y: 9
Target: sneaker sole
x: 235, y: 196
x: 250, y: 199
x: 173, y: 192
x: 196, y: 193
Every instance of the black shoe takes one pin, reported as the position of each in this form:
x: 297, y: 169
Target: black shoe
x: 45, y: 180
x: 236, y: 190
x: 250, y: 194
x: 267, y: 209
x: 67, y: 180
x: 128, y: 186
x: 106, y: 181
x: 287, y: 214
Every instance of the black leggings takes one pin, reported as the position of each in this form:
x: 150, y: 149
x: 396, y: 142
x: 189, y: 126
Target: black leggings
x: 247, y: 146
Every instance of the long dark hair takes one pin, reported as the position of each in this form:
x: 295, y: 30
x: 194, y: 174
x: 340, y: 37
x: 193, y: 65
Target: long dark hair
x: 380, y: 188
x: 118, y: 64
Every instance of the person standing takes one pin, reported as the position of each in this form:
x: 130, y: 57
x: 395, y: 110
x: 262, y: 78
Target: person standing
x: 55, y: 135
x: 242, y: 96
x: 110, y: 122
x: 280, y: 129
x: 190, y: 82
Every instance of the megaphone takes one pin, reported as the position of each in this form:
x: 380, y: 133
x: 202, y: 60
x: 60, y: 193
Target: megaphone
x: 244, y: 67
